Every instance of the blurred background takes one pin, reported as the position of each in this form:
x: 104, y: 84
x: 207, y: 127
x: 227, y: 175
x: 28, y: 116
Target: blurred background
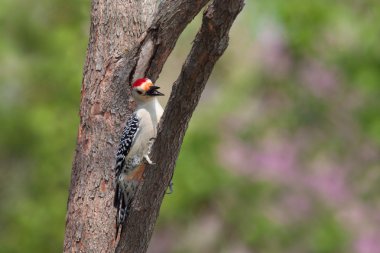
x: 281, y: 155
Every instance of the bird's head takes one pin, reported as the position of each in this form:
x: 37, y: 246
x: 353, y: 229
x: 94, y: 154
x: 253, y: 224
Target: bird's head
x: 143, y: 90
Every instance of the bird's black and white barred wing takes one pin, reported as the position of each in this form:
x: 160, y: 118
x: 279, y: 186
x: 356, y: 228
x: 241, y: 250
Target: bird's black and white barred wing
x: 126, y: 141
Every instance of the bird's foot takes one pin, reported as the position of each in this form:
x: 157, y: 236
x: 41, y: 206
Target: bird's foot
x: 148, y: 160
x: 170, y: 188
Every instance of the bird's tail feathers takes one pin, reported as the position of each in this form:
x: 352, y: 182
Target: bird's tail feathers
x: 122, y: 208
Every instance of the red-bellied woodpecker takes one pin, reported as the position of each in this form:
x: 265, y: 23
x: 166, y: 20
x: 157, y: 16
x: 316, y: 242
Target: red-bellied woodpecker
x: 135, y: 144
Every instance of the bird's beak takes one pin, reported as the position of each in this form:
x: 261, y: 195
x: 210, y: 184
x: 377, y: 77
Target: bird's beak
x: 153, y: 91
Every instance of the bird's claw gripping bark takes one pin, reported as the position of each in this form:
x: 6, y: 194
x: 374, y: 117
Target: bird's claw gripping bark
x: 148, y: 160
x: 170, y: 188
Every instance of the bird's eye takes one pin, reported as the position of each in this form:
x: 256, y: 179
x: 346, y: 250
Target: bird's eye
x: 139, y: 92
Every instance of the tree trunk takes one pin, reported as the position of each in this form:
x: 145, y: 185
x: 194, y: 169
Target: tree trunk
x: 128, y: 40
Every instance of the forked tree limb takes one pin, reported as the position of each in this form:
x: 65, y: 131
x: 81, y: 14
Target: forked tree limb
x: 209, y: 44
x: 171, y: 19
x: 131, y: 39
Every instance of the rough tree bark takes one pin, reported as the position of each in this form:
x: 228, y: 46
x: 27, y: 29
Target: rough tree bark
x: 128, y: 40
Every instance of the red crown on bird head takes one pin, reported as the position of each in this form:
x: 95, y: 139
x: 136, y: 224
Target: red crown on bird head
x: 140, y: 81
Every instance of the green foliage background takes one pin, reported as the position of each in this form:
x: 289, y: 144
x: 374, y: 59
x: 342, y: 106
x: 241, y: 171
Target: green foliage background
x: 282, y: 155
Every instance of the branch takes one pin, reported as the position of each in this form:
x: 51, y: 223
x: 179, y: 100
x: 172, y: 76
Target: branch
x: 170, y: 21
x: 209, y: 45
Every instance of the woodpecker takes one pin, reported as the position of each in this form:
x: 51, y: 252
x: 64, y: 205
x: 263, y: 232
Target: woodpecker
x: 135, y: 144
